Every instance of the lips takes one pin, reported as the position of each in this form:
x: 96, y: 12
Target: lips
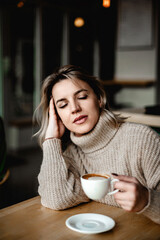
x: 80, y: 119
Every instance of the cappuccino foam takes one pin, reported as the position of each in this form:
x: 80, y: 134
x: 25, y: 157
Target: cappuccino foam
x: 95, y: 177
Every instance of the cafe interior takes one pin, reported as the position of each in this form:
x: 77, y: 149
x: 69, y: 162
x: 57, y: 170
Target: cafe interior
x: 116, y: 40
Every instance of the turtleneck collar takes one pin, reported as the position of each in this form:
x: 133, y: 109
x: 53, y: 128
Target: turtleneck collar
x: 99, y: 137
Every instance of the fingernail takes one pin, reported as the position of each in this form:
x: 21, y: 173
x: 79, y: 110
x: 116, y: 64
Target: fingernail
x: 114, y: 174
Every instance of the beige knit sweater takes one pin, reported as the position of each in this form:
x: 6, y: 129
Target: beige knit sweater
x: 131, y: 149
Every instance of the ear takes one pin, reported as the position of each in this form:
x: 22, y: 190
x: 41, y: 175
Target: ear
x: 101, y: 103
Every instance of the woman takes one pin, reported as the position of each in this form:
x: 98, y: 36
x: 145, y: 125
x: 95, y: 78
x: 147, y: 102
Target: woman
x: 98, y: 142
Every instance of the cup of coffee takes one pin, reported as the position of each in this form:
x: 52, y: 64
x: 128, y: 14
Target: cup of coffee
x: 96, y: 186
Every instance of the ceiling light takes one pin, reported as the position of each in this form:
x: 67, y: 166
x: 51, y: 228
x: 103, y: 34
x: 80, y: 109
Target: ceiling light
x: 79, y: 22
x: 106, y: 3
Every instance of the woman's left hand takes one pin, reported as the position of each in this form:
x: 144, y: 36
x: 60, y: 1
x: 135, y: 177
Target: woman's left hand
x: 133, y: 196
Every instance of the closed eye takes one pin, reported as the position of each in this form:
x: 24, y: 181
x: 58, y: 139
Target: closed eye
x: 83, y: 97
x: 63, y: 106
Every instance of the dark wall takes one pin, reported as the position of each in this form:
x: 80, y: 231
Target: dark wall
x: 106, y: 29
x: 100, y: 25
x: 81, y: 41
x: 52, y: 20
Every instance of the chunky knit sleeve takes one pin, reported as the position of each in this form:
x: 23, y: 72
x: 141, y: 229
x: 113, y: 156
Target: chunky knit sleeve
x: 151, y: 170
x: 59, y: 178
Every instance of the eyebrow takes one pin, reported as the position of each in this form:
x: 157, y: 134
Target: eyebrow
x: 77, y: 92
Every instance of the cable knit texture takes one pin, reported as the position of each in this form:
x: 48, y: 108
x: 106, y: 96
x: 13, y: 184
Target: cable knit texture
x: 132, y: 150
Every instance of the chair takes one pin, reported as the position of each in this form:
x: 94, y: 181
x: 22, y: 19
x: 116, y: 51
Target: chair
x: 5, y: 177
x: 4, y: 172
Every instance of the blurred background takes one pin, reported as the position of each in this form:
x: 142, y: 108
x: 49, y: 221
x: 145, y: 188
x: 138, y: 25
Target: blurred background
x: 115, y: 40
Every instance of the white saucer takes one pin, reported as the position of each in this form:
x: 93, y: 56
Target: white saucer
x: 90, y: 223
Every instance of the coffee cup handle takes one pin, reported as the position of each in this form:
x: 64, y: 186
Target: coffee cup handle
x: 115, y: 191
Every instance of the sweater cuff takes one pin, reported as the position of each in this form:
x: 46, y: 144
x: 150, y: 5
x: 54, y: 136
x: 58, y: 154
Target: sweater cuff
x: 51, y: 142
x: 48, y: 138
x: 152, y: 210
x: 148, y: 204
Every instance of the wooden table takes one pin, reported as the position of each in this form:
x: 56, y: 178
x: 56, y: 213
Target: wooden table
x: 29, y: 220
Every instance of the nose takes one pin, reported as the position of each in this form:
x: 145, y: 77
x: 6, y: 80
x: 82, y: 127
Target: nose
x: 75, y: 107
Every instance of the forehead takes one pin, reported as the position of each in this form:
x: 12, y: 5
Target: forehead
x: 69, y: 86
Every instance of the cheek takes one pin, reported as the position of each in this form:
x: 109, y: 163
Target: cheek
x: 96, y: 105
x: 62, y: 116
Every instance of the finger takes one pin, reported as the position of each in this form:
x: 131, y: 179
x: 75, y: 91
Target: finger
x: 51, y: 106
x: 125, y: 186
x: 125, y: 178
x: 124, y: 196
x: 126, y: 202
x: 122, y: 202
x: 126, y: 206
x: 62, y: 128
x: 52, y: 112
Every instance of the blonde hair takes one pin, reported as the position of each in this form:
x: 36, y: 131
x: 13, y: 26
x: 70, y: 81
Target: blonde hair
x: 41, y: 115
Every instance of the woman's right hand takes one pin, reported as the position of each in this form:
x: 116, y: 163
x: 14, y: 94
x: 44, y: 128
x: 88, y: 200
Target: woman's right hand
x: 55, y: 127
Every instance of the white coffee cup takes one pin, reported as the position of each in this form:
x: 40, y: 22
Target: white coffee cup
x: 96, y: 186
